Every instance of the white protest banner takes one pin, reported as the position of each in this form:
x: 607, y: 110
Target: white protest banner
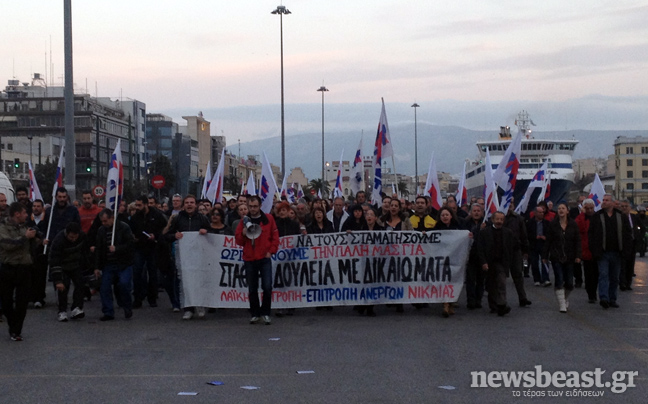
x: 329, y: 269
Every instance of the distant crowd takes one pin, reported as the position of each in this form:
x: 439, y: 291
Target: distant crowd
x: 128, y: 255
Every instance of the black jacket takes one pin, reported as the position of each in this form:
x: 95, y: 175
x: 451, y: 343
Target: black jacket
x: 66, y: 256
x: 532, y: 227
x: 562, y: 246
x: 313, y: 228
x: 596, y: 233
x: 184, y: 222
x: 60, y: 219
x: 124, y: 243
x: 287, y: 226
x: 486, y: 247
x: 151, y: 223
x: 516, y: 223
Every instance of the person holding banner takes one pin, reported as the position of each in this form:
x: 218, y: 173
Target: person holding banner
x: 338, y: 215
x: 394, y: 219
x: 257, y: 253
x: 421, y: 220
x: 187, y: 219
x: 357, y: 221
x: 320, y: 223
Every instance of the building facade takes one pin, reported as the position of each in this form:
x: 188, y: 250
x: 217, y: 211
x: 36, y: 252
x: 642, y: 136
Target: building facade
x: 631, y: 169
x: 33, y: 114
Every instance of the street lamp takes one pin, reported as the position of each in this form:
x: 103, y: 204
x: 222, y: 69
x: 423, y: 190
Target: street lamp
x: 281, y: 10
x: 30, y: 137
x: 415, y: 105
x: 322, y: 90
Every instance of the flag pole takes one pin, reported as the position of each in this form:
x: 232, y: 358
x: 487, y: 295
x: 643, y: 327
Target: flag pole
x: 49, y: 223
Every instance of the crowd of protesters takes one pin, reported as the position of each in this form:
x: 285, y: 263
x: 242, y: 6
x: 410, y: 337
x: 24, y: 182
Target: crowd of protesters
x: 128, y: 255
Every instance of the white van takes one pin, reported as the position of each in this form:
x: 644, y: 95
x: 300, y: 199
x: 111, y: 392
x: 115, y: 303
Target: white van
x: 6, y: 188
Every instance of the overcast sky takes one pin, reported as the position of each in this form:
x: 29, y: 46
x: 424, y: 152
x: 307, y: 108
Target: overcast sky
x: 206, y: 55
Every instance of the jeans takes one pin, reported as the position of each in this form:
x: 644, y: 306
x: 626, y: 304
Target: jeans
x: 563, y: 274
x: 253, y: 269
x: 538, y: 269
x: 76, y: 279
x: 123, y: 278
x: 609, y: 266
x: 145, y: 279
x: 15, y: 279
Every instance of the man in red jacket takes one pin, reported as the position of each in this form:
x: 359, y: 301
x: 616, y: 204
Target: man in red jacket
x: 257, y: 255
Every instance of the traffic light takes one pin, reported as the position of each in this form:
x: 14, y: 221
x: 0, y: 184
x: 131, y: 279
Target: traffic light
x: 17, y: 163
x: 88, y: 168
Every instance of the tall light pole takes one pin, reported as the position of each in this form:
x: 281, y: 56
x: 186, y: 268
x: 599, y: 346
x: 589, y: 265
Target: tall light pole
x: 30, y: 137
x: 416, y: 178
x: 281, y: 10
x: 322, y: 90
x: 70, y: 142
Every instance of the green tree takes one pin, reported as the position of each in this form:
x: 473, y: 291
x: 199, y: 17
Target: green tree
x: 45, y: 175
x: 402, y: 187
x: 161, y: 165
x: 318, y: 185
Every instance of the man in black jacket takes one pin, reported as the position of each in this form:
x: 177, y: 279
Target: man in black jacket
x: 515, y: 222
x: 187, y: 219
x: 475, y: 276
x: 628, y: 261
x: 147, y: 225
x: 495, y: 249
x: 69, y: 255
x: 610, y: 240
x: 114, y: 263
x: 537, y: 227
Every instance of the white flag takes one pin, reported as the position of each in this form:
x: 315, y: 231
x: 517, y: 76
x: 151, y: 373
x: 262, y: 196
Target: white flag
x: 358, y: 167
x: 115, y: 187
x: 596, y: 193
x: 251, y: 188
x: 34, y: 191
x: 462, y: 192
x: 490, y: 189
x: 215, y: 191
x: 207, y: 180
x: 506, y: 174
x: 432, y: 188
x: 268, y: 185
x: 537, y: 181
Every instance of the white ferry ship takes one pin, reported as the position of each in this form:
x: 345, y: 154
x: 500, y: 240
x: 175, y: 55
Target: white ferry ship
x: 534, y: 153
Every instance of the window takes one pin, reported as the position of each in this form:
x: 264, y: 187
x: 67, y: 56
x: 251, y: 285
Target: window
x: 630, y: 174
x: 629, y: 150
x: 644, y: 150
x: 629, y: 162
x: 644, y: 185
x: 630, y: 186
x: 644, y: 174
x: 9, y: 146
x: 644, y: 162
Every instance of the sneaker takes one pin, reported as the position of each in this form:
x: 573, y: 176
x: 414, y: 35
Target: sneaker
x: 201, y: 312
x: 187, y: 315
x: 254, y: 320
x: 547, y: 284
x: 77, y: 313
x: 38, y: 305
x: 266, y: 320
x: 536, y: 283
x: 176, y: 309
x: 106, y: 318
x: 16, y: 337
x: 62, y: 317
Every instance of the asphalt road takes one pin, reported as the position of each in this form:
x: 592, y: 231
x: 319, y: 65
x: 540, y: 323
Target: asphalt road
x: 392, y: 358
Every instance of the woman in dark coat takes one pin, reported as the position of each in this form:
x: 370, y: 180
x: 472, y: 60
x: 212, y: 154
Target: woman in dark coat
x: 563, y: 248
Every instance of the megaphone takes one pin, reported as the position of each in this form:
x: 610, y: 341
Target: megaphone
x: 253, y: 231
